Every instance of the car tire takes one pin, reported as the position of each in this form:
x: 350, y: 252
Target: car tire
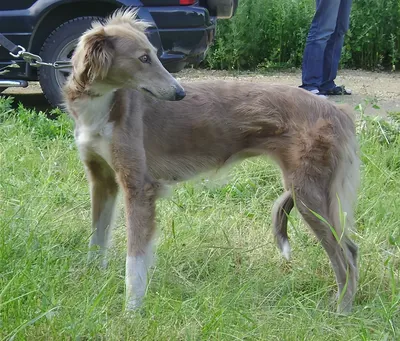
x: 59, y: 46
x: 175, y: 67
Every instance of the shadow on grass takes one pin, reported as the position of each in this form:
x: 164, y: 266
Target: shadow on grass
x: 34, y: 101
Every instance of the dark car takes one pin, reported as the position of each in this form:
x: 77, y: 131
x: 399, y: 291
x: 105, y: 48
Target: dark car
x: 182, y: 31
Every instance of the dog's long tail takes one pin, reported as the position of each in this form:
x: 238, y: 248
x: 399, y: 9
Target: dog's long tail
x: 280, y: 213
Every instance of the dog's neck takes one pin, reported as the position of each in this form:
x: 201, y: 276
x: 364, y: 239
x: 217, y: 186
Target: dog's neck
x: 74, y: 90
x: 88, y: 104
x: 92, y: 111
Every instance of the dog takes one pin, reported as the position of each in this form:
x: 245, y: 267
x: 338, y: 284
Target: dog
x: 137, y: 129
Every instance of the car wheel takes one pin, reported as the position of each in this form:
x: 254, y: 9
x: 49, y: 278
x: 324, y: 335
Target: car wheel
x: 59, y: 46
x: 175, y: 67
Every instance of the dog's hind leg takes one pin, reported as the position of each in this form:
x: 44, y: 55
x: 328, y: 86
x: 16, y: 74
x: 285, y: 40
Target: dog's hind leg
x: 140, y: 201
x: 104, y: 192
x: 338, y: 251
x: 327, y: 172
x: 313, y: 202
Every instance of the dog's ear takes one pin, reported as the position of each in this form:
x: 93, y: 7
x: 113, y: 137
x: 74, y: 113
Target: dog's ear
x: 99, y: 52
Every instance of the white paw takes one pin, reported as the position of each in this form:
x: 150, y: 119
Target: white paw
x: 133, y: 304
x: 135, y: 281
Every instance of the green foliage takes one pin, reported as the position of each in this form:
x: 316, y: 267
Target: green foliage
x: 37, y: 124
x: 269, y: 34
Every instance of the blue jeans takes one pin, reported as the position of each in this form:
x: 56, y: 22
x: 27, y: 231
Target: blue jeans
x: 324, y: 44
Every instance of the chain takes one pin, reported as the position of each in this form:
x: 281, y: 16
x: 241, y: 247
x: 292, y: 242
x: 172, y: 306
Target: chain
x: 36, y: 61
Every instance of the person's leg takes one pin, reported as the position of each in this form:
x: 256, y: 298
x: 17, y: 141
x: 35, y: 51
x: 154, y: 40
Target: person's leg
x: 334, y: 46
x: 322, y: 27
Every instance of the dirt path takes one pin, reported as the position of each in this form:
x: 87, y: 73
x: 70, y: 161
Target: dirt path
x: 383, y: 88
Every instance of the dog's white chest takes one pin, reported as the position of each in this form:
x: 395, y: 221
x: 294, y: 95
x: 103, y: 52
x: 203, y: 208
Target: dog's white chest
x: 96, y: 142
x: 93, y: 133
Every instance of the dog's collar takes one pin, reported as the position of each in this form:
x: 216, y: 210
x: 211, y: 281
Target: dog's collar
x: 81, y: 89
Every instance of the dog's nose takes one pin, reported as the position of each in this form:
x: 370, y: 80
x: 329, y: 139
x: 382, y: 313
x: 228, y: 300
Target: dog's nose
x: 179, y: 94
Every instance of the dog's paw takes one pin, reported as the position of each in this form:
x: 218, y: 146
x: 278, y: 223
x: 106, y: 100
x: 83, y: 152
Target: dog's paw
x: 344, y: 309
x: 133, y: 305
x: 97, y: 259
x: 343, y: 305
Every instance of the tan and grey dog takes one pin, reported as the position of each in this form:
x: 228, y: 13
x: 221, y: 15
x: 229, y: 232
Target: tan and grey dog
x: 137, y: 130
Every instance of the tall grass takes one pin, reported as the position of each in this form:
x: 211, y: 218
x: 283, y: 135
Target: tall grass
x: 218, y: 274
x: 272, y: 33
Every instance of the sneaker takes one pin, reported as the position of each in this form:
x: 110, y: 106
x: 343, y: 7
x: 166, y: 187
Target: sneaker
x: 337, y: 90
x: 318, y: 93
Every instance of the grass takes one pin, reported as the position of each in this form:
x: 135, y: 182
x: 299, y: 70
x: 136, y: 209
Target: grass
x: 218, y: 274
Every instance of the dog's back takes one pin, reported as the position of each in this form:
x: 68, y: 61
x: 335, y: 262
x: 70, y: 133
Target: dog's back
x: 219, y: 119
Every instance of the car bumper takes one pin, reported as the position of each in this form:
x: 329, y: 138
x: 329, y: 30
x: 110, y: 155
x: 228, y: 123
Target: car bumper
x: 186, y: 33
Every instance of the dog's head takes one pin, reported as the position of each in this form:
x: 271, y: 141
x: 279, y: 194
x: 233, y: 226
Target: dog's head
x: 117, y: 54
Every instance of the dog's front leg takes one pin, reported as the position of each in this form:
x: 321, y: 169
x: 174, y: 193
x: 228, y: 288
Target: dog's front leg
x: 103, y: 191
x: 140, y: 213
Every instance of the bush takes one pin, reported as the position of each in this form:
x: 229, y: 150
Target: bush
x: 272, y: 33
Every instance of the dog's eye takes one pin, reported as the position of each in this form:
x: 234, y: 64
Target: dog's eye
x: 145, y: 59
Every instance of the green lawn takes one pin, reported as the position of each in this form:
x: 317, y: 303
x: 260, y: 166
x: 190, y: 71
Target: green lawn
x: 218, y: 273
